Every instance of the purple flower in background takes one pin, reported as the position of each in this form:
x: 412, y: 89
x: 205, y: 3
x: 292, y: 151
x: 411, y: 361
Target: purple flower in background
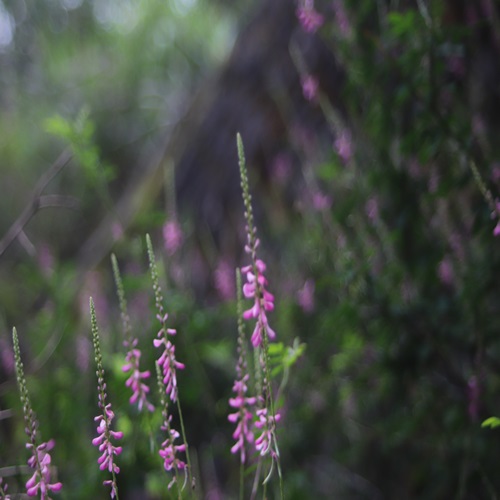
x: 308, y: 17
x: 40, y: 461
x: 342, y: 19
x: 305, y: 296
x: 321, y: 201
x: 241, y: 417
x: 255, y: 288
x: 310, y: 87
x: 172, y: 236
x: 224, y: 280
x: 371, y: 209
x: 343, y: 145
x: 445, y: 272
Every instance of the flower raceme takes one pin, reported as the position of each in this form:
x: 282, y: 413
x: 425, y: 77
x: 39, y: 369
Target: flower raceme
x: 139, y: 389
x: 168, y: 364
x: 40, y: 480
x: 241, y: 417
x: 255, y: 288
x: 105, y: 461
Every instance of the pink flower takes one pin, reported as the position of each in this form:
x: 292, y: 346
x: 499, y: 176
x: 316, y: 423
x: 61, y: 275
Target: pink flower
x: 40, y: 480
x: 168, y: 364
x: 172, y: 236
x: 445, y: 272
x: 305, y: 296
x: 139, y: 389
x: 242, y: 434
x: 371, y: 209
x: 308, y: 17
x: 267, y: 424
x: 255, y: 288
x: 3, y: 490
x: 310, y: 87
x: 343, y: 23
x: 169, y: 450
x: 103, y: 441
x: 343, y: 145
x: 321, y: 201
x: 224, y: 280
x: 281, y: 168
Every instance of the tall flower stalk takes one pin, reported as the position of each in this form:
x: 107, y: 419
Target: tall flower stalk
x: 40, y: 460
x: 105, y: 434
x: 255, y: 288
x: 242, y: 403
x: 168, y: 366
x: 168, y: 450
x: 135, y: 382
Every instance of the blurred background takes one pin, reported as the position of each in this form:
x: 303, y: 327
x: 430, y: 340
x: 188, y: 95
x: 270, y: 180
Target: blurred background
x: 370, y: 134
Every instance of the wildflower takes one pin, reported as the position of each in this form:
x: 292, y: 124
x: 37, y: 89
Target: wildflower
x: 242, y: 416
x: 310, y: 87
x: 371, y: 209
x: 168, y: 450
x: 308, y: 17
x: 3, y: 491
x: 305, y: 296
x: 103, y: 440
x: 321, y: 201
x: 139, y: 389
x: 445, y: 272
x: 168, y: 364
x: 266, y: 423
x: 342, y: 19
x: 172, y: 236
x: 224, y: 284
x: 104, y: 432
x: 263, y: 301
x: 343, y: 145
x: 40, y: 460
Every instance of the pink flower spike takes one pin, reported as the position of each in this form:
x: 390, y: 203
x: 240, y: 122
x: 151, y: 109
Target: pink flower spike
x: 308, y: 17
x: 310, y: 87
x: 139, y: 389
x: 242, y: 434
x: 40, y: 480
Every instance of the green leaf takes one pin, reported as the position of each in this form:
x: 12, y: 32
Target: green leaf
x: 491, y: 422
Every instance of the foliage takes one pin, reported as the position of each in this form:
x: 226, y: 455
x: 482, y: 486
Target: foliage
x: 386, y: 266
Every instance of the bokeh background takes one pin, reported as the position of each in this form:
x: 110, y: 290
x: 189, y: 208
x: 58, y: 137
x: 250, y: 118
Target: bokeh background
x: 370, y: 130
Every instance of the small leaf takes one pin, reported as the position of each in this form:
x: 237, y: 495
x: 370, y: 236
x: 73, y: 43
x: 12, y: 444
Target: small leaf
x: 491, y: 422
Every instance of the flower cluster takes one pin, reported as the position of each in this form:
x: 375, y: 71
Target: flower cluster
x: 255, y: 288
x: 267, y: 423
x: 103, y: 440
x: 139, y: 389
x: 40, y: 461
x: 241, y: 417
x: 308, y: 17
x: 169, y: 450
x: 168, y: 364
